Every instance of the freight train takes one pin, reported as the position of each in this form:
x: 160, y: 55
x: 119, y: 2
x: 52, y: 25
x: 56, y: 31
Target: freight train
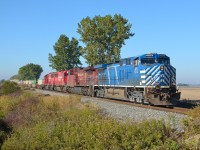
x: 147, y: 79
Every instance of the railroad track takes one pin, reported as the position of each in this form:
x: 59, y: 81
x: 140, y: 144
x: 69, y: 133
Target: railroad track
x: 166, y: 109
x: 178, y: 110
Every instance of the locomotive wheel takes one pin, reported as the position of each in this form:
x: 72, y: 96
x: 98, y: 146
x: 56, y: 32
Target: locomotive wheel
x: 84, y: 91
x: 100, y: 93
x: 130, y: 96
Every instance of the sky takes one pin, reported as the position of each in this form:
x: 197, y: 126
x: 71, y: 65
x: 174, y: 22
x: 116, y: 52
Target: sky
x: 29, y: 29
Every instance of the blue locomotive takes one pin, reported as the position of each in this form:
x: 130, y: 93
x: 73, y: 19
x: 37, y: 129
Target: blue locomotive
x: 148, y: 78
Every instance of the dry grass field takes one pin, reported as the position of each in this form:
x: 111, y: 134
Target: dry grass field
x: 190, y: 93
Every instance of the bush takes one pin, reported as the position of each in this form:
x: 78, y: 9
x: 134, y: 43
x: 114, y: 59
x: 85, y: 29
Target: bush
x: 65, y: 123
x: 4, y: 131
x: 193, y: 123
x: 9, y: 87
x: 191, y: 136
x: 7, y: 104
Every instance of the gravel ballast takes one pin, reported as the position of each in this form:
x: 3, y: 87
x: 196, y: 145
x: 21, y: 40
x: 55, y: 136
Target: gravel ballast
x: 137, y: 114
x: 125, y: 112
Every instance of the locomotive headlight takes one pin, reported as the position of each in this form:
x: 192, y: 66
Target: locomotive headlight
x: 162, y: 68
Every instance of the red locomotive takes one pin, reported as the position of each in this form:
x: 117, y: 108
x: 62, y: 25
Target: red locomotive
x: 75, y: 80
x: 55, y: 80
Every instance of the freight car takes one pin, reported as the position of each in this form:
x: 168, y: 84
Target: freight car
x: 148, y: 78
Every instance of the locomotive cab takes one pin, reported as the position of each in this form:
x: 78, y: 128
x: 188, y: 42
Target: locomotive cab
x: 160, y: 80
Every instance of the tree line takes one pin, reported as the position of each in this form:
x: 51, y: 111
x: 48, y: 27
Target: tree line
x: 103, y: 38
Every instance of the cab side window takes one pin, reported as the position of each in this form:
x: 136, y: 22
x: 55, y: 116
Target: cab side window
x: 128, y: 61
x: 121, y: 62
x: 136, y: 62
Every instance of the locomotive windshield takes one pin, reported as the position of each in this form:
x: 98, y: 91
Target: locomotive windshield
x: 148, y: 60
x: 163, y: 61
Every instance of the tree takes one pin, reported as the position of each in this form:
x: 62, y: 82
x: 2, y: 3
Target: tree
x: 17, y: 76
x: 30, y: 72
x: 182, y: 84
x: 104, y: 37
x: 67, y: 54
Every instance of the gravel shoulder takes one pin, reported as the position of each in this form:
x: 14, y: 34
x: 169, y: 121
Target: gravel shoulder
x: 125, y: 112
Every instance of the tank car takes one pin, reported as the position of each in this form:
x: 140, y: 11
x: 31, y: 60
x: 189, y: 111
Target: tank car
x: 148, y: 78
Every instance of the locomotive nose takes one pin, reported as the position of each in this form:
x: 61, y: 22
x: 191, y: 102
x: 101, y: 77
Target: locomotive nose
x: 162, y: 67
x: 167, y: 74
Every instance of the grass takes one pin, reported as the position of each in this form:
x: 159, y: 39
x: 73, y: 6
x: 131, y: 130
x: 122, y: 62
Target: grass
x: 52, y: 122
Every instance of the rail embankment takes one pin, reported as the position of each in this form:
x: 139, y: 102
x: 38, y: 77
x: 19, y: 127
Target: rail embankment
x: 40, y: 121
